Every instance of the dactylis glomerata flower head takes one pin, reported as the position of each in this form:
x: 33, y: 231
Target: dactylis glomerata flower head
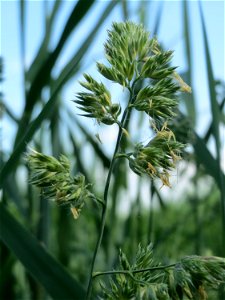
x: 158, y: 157
x: 53, y: 176
x: 189, y: 278
x: 96, y: 103
x: 137, y: 62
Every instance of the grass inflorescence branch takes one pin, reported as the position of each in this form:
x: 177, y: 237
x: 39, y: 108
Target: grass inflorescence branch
x: 128, y: 272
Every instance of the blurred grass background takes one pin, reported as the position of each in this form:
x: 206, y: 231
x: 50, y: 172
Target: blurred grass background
x: 53, y: 43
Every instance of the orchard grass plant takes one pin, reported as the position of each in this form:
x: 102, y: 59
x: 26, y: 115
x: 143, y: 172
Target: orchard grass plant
x: 139, y: 64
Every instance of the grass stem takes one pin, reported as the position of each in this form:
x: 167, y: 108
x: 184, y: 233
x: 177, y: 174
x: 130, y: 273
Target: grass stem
x: 109, y: 176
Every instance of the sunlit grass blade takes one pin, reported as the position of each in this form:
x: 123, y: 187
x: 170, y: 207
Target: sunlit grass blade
x: 55, y: 123
x: 39, y: 263
x: 92, y: 140
x: 43, y: 75
x: 119, y: 184
x: 189, y: 98
x: 67, y: 71
x: 43, y: 226
x: 80, y: 9
x: 222, y: 118
x: 158, y: 19
x: 187, y: 35
x: 10, y: 113
x: 204, y: 157
x: 78, y: 156
x: 105, y: 160
x: 22, y: 4
x: 129, y: 227
x: 125, y: 9
x: 9, y: 166
x: 215, y: 118
x: 13, y: 193
x: 43, y: 49
x: 211, y: 86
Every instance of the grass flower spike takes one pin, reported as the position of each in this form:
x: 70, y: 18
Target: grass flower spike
x: 133, y: 57
x: 159, y: 100
x: 157, y: 158
x: 126, y: 46
x: 96, y: 103
x: 53, y: 176
x: 146, y: 279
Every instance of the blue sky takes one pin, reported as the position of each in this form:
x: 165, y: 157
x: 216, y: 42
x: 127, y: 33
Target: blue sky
x: 170, y: 34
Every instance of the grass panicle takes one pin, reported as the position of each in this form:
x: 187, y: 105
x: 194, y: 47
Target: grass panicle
x: 53, y: 177
x: 146, y: 278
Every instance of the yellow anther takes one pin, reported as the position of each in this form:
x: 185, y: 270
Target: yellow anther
x: 184, y: 87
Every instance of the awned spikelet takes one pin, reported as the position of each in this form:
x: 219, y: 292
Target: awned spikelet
x: 147, y: 279
x: 53, y: 176
x: 157, y: 158
x: 96, y: 103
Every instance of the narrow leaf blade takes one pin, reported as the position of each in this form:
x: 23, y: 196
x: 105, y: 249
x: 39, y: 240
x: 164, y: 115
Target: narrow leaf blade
x: 40, y: 264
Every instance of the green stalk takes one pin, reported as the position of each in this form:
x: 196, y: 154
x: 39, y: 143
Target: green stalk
x: 112, y: 164
x: 128, y: 272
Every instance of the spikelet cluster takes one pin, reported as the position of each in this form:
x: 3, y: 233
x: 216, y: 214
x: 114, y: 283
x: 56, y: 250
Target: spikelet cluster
x: 134, y: 57
x: 158, y: 157
x: 53, y: 177
x: 146, y: 279
x: 96, y: 102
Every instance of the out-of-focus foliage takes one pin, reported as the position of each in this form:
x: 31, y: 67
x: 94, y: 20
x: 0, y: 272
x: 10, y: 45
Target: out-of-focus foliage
x: 31, y: 228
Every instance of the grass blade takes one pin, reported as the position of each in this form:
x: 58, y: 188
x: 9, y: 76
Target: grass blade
x: 33, y: 127
x: 211, y: 85
x: 205, y: 158
x: 190, y: 103
x: 43, y: 50
x: 77, y: 154
x: 22, y: 33
x: 43, y: 76
x: 158, y: 19
x: 215, y: 118
x: 125, y: 10
x: 40, y: 264
x: 105, y: 160
x: 13, y: 193
x: 210, y: 129
x: 56, y: 141
x: 67, y: 72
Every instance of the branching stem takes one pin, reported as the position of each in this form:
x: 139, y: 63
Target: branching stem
x: 128, y: 272
x: 124, y: 121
